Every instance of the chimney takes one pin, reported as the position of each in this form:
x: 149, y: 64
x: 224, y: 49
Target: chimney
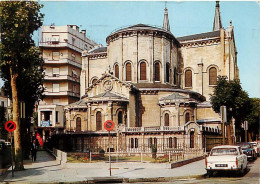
x: 83, y: 32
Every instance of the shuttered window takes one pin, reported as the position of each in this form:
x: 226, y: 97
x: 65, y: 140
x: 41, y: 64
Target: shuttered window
x: 187, y: 117
x: 157, y: 72
x: 128, y: 72
x: 136, y: 142
x: 175, y: 76
x: 132, y: 143
x: 99, y: 121
x: 212, y: 76
x: 55, y: 55
x: 116, y: 71
x: 167, y: 72
x: 166, y: 119
x: 142, y: 71
x: 170, y: 142
x: 188, y: 78
x: 78, y: 124
x: 175, y: 142
x: 55, y: 87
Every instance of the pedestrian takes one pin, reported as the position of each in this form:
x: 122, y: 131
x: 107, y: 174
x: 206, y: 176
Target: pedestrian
x: 34, y: 150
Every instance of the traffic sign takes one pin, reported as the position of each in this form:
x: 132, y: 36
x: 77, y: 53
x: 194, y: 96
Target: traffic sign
x: 10, y: 126
x: 109, y: 125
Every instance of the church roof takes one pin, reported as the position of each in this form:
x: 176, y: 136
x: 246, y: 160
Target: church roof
x: 174, y: 96
x: 79, y: 104
x: 199, y: 36
x: 151, y: 85
x: 107, y: 95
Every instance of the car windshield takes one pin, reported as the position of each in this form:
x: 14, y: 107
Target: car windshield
x: 223, y: 151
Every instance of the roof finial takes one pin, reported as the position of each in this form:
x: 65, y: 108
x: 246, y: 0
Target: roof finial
x: 166, y: 24
x: 217, y: 25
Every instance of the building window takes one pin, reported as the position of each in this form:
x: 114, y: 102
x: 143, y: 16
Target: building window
x: 170, y: 142
x: 157, y: 71
x: 143, y: 71
x: 55, y: 87
x: 2, y: 104
x: 120, y: 117
x: 94, y: 81
x: 57, y: 116
x: 78, y: 124
x: 128, y: 72
x: 213, y: 76
x: 167, y: 72
x: 188, y: 78
x: 116, y: 71
x: 136, y: 142
x: 175, y: 76
x: 191, y: 139
x: 73, y: 57
x: 150, y: 142
x: 166, y: 119
x: 187, y: 117
x: 132, y: 143
x: 74, y: 88
x: 98, y: 121
x: 55, y: 55
x: 73, y: 41
x: 175, y: 142
x: 55, y: 72
x: 155, y: 142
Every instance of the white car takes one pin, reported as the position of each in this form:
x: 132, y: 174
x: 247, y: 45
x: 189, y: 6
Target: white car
x: 256, y: 147
x: 226, y: 158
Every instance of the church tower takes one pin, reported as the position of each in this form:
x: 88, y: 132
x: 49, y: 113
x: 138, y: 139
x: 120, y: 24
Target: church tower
x: 217, y: 25
x: 166, y: 24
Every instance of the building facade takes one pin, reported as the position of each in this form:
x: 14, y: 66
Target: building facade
x: 61, y: 48
x: 154, y: 86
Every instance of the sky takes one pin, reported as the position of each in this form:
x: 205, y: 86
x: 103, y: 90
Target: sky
x: 100, y: 18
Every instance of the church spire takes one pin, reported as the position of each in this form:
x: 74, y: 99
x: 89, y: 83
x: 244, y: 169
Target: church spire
x: 217, y: 20
x: 166, y: 24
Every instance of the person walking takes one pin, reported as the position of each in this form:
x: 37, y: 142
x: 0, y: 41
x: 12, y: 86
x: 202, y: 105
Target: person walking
x: 34, y: 150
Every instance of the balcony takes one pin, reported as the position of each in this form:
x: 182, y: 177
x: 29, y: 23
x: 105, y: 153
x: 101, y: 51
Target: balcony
x: 62, y: 77
x: 62, y: 61
x: 54, y: 43
x: 62, y: 93
x: 154, y: 129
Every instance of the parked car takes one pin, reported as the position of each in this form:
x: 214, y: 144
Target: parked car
x: 226, y: 158
x: 248, y: 151
x: 256, y: 147
x: 7, y: 143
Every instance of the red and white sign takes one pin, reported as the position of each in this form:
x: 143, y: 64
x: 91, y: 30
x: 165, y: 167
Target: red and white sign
x: 10, y: 126
x: 39, y: 138
x: 109, y: 125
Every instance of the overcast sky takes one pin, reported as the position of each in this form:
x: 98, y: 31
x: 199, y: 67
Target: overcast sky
x: 101, y: 18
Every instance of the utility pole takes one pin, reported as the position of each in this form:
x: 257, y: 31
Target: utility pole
x: 223, y: 112
x: 246, y: 128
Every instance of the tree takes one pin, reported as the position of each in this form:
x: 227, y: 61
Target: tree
x: 230, y: 94
x: 254, y: 118
x: 20, y: 61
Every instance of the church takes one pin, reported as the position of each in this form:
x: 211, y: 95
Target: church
x: 155, y: 88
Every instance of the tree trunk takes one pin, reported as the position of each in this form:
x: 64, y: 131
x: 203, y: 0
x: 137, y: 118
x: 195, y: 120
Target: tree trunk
x: 17, y: 134
x: 229, y: 135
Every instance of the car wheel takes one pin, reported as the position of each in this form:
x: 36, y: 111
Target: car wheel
x: 209, y: 173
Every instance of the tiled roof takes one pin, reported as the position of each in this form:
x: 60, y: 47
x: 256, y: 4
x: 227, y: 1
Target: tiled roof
x: 174, y: 96
x: 199, y: 36
x: 78, y: 103
x: 108, y: 95
x: 98, y: 50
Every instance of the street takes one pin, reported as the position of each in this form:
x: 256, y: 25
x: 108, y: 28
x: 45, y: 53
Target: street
x: 252, y: 176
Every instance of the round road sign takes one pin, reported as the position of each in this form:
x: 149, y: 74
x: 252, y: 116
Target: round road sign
x: 109, y: 125
x: 10, y: 126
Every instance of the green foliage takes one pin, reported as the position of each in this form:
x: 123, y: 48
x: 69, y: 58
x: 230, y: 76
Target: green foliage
x: 19, y: 20
x: 254, y: 117
x: 231, y: 95
x: 3, y: 132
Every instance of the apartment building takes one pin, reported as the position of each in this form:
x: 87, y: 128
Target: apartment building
x: 61, y: 48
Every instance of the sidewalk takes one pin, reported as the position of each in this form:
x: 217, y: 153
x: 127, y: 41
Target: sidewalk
x: 47, y: 170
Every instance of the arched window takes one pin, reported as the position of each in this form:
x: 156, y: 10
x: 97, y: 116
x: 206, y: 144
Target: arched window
x: 167, y: 72
x: 136, y: 142
x: 94, y: 81
x: 143, y: 71
x: 187, y: 117
x: 170, y: 142
x: 120, y: 117
x: 166, y: 119
x: 175, y: 142
x: 128, y: 72
x: 155, y: 141
x: 157, y: 71
x: 212, y: 76
x: 98, y: 121
x: 191, y: 139
x: 175, y: 76
x: 78, y: 124
x: 116, y: 71
x: 150, y: 142
x: 188, y: 78
x: 132, y: 143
